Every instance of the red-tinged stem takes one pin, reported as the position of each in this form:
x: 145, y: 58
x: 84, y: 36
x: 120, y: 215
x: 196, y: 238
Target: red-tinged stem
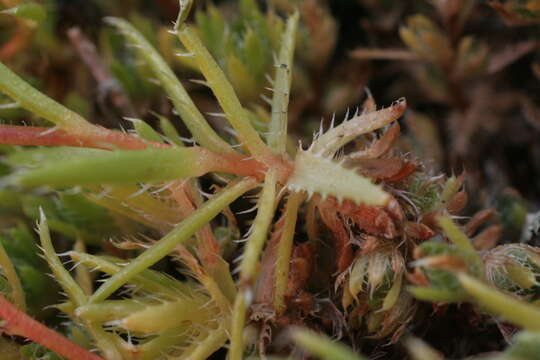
x: 18, y: 323
x: 208, y: 245
x: 238, y: 164
x: 100, y: 138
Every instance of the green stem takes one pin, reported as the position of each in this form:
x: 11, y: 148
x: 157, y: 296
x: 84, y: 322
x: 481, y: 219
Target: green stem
x: 462, y: 241
x: 261, y: 225
x: 248, y: 267
x: 149, y: 280
x: 74, y: 291
x: 511, y: 309
x: 202, y: 133
x: 104, y: 341
x: 455, y: 234
x: 177, y: 236
x: 322, y: 347
x: 38, y: 103
x: 109, y: 310
x: 277, y: 139
x: 238, y: 322
x: 13, y: 279
x: 215, y: 340
x: 284, y: 251
x: 152, y: 349
x: 82, y: 273
x: 224, y: 92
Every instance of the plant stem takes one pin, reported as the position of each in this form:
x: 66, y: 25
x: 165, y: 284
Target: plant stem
x: 177, y: 236
x: 33, y: 100
x: 238, y: 322
x: 82, y: 273
x: 202, y: 133
x: 455, y: 234
x: 277, y: 139
x: 462, y: 241
x: 61, y: 275
x: 18, y: 323
x: 75, y: 293
x: 224, y: 92
x: 13, y: 279
x: 284, y: 251
x: 137, y: 166
x: 262, y: 222
x: 149, y: 280
x: 248, y: 267
x: 215, y: 340
x: 511, y: 309
x: 323, y: 347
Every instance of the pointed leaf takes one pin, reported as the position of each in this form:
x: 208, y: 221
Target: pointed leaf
x: 120, y: 167
x: 316, y: 174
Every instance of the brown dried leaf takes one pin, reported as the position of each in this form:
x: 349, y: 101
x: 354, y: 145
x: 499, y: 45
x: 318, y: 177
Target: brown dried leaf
x: 418, y: 231
x: 338, y: 228
x: 488, y: 238
x: 371, y: 219
x: 477, y: 220
x: 457, y: 203
x: 380, y: 147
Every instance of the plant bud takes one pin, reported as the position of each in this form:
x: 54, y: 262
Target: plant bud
x: 471, y: 57
x: 514, y: 268
x: 426, y: 39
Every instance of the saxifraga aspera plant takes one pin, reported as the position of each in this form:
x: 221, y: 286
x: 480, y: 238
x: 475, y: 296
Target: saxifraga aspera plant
x: 374, y: 207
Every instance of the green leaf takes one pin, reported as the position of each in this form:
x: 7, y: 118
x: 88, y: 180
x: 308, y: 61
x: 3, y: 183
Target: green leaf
x: 61, y: 275
x: 436, y: 295
x: 511, y: 309
x: 171, y: 134
x: 192, y: 117
x: 463, y: 243
x: 181, y: 233
x: 119, y: 167
x: 145, y: 131
x: 323, y: 347
x: 37, y: 352
x: 330, y: 142
x: 8, y: 270
x: 311, y: 175
x: 212, y: 29
x: 29, y: 11
x: 40, y: 104
x: 277, y: 139
x: 48, y: 156
x: 150, y: 281
x: 238, y: 117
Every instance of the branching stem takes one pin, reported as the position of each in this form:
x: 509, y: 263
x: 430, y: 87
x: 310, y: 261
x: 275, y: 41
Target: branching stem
x: 177, y: 236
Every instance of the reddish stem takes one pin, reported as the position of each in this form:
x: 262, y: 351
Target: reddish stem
x: 100, y: 138
x: 18, y: 323
x: 208, y: 246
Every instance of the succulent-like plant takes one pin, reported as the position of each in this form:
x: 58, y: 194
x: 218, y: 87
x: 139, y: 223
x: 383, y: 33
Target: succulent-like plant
x: 334, y: 225
x: 121, y: 172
